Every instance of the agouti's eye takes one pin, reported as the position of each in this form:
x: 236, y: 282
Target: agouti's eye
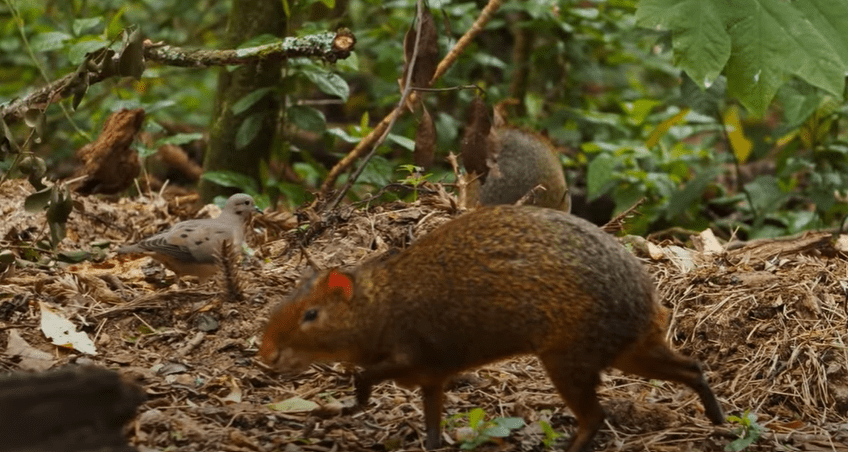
x: 310, y: 315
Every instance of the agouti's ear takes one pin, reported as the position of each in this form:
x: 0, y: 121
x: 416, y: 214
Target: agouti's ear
x: 339, y: 280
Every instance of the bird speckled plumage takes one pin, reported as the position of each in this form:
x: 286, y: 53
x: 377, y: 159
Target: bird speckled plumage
x: 190, y: 247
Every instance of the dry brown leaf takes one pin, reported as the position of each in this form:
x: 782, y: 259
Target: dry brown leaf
x: 428, y: 52
x: 425, y: 140
x: 477, y: 140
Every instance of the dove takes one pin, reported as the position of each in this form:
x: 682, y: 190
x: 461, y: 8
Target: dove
x: 191, y: 247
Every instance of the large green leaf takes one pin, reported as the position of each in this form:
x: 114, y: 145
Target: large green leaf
x: 701, y: 44
x: 329, y: 83
x: 307, y: 118
x: 232, y: 179
x: 51, y: 40
x: 769, y: 40
x: 83, y: 25
x: 599, y: 173
x: 830, y: 19
x: 248, y: 130
x: 249, y: 99
x: 810, y: 55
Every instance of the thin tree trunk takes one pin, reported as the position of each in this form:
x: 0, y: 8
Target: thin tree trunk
x: 248, y: 18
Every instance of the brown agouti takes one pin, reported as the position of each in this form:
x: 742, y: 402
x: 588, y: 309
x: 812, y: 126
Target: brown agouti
x: 517, y: 161
x: 493, y: 283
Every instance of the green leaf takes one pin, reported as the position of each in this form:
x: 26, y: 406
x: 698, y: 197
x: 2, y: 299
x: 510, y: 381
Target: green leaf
x: 475, y: 416
x: 294, y: 193
x: 662, y: 128
x: 497, y: 431
x: 762, y: 42
x: 249, y: 99
x: 329, y: 83
x: 771, y: 40
x: 115, y: 24
x: 681, y: 200
x: 798, y: 101
x: 307, y: 118
x: 179, y: 139
x: 249, y: 129
x: 73, y: 256
x: 701, y: 44
x: 705, y: 101
x: 293, y: 405
x: 511, y: 423
x: 52, y: 40
x: 342, y: 135
x: 402, y: 141
x: 88, y: 44
x: 61, y: 206
x: 37, y: 201
x: 7, y: 257
x: 766, y: 194
x: 810, y: 55
x: 638, y: 110
x: 830, y: 18
x: 232, y: 179
x: 82, y: 25
x: 58, y: 231
x: 599, y: 174
x: 308, y: 172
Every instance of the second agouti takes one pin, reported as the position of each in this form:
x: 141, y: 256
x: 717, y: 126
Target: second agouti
x: 518, y: 161
x: 497, y: 282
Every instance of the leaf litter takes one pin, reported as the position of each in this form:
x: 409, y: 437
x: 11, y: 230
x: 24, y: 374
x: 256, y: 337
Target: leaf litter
x: 768, y: 321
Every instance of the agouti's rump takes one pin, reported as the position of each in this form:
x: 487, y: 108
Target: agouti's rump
x: 497, y: 282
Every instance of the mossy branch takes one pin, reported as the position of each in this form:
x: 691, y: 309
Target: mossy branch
x: 326, y: 46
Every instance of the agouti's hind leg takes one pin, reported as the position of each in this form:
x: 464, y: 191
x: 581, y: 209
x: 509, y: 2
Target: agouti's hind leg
x: 577, y: 385
x: 652, y: 358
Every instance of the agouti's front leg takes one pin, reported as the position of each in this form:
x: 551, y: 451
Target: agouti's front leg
x: 434, y: 397
x: 432, y: 389
x: 363, y: 389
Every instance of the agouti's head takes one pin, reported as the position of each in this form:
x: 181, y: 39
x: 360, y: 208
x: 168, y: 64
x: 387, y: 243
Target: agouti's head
x: 312, y: 325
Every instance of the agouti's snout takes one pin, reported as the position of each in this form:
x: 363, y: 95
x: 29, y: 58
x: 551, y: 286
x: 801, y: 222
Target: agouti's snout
x: 497, y: 282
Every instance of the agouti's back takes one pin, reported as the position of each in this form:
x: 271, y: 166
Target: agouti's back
x: 493, y: 283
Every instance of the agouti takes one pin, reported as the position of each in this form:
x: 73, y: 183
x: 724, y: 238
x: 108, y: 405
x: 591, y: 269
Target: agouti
x: 523, y: 160
x: 497, y: 282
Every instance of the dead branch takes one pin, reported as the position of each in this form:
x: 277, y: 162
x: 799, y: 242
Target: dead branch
x: 367, y: 143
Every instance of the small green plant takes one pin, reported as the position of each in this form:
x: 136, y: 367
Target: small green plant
x: 415, y: 174
x: 479, y: 430
x: 551, y: 435
x: 748, y: 429
x: 415, y: 177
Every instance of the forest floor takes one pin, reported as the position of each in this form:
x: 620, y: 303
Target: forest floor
x: 769, y: 320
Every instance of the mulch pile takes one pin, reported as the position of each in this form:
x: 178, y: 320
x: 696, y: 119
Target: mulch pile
x: 768, y: 320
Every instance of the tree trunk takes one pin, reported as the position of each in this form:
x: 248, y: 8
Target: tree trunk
x: 248, y: 18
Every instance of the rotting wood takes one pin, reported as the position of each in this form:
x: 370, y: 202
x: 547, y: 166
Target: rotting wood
x: 67, y: 410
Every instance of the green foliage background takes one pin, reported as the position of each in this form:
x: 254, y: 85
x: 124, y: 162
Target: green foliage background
x: 722, y: 115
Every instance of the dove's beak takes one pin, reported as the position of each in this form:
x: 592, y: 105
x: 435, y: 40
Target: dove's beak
x: 257, y: 209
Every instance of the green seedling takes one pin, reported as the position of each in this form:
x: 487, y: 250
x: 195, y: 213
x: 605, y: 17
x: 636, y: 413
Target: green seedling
x: 479, y: 430
x: 748, y: 429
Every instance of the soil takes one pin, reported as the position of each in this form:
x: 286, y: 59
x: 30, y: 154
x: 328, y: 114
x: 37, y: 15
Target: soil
x: 768, y: 320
